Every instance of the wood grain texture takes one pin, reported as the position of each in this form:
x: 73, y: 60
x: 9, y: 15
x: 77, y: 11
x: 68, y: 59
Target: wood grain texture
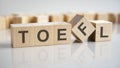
x: 103, y: 31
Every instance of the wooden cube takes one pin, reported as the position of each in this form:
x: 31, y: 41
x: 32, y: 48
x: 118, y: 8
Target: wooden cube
x: 32, y: 19
x: 3, y: 23
x: 56, y: 18
x: 62, y: 33
x: 103, y: 31
x: 9, y: 20
x: 68, y: 16
x: 42, y: 18
x: 82, y: 28
x: 22, y: 35
x: 43, y: 34
x: 106, y: 16
x: 90, y: 16
x: 119, y: 18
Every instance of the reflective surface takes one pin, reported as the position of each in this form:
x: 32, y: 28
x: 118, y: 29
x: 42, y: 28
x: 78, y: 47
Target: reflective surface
x: 74, y: 55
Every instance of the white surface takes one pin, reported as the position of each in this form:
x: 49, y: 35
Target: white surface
x: 48, y: 6
x: 75, y: 55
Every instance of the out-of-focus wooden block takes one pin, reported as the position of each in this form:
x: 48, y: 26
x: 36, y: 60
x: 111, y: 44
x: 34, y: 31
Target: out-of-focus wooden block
x: 68, y: 16
x: 106, y: 16
x: 22, y: 35
x: 9, y: 20
x: 90, y: 16
x: 3, y: 22
x: 62, y: 33
x: 24, y: 19
x: 42, y: 18
x: 82, y: 28
x: 43, y: 34
x: 103, y: 31
x: 32, y: 19
x: 56, y: 18
x: 119, y: 18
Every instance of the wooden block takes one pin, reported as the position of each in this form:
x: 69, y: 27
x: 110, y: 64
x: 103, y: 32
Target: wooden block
x: 22, y: 35
x: 68, y: 16
x: 62, y: 33
x: 2, y: 23
x: 119, y: 18
x: 106, y: 16
x: 24, y: 19
x: 42, y: 18
x: 9, y: 20
x: 32, y: 19
x: 43, y: 34
x: 90, y: 16
x: 37, y: 34
x: 103, y: 30
x: 82, y: 28
x: 56, y: 18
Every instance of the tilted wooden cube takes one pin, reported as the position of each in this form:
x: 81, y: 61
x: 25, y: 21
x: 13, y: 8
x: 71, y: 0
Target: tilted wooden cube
x: 38, y: 34
x: 107, y: 16
x: 82, y: 28
x: 103, y: 30
x: 56, y: 18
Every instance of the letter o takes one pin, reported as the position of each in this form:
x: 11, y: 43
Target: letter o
x: 47, y: 35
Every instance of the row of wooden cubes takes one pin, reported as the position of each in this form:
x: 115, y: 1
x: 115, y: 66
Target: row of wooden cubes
x: 5, y: 21
x: 38, y: 34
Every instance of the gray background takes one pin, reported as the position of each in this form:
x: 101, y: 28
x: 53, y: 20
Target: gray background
x: 47, y: 6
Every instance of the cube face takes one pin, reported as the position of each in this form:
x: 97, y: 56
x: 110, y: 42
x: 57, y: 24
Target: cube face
x: 31, y: 19
x: 103, y: 30
x: 56, y: 18
x: 43, y: 35
x: 112, y: 17
x: 16, y: 20
x: 102, y: 16
x: 22, y: 36
x: 90, y: 16
x: 82, y: 29
x: 42, y: 18
x: 62, y: 33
